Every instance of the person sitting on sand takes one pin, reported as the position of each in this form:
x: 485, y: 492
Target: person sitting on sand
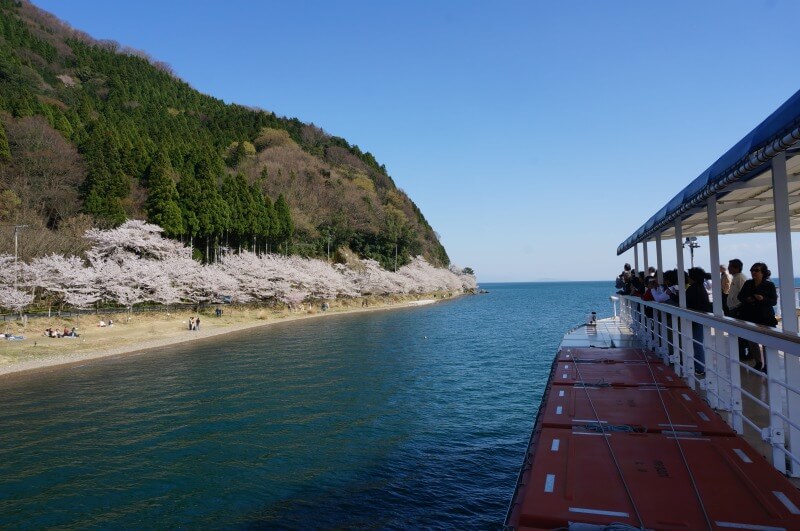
x: 102, y: 324
x: 67, y: 332
x: 111, y: 322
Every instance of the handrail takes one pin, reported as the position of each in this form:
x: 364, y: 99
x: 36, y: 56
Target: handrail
x: 709, y: 319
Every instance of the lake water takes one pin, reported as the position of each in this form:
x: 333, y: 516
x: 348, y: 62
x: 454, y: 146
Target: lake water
x: 410, y: 418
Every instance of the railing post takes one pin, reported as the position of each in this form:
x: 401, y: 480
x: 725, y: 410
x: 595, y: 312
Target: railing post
x: 722, y: 369
x: 736, y: 384
x: 662, y: 337
x: 777, y: 397
x: 712, y: 378
x: 686, y: 360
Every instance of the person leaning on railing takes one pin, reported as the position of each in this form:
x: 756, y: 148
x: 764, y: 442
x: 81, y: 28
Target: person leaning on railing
x: 697, y: 300
x: 758, y: 297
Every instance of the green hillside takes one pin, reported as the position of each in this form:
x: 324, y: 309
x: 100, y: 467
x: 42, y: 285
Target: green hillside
x: 92, y: 133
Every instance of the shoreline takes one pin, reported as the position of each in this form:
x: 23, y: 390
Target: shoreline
x: 58, y: 355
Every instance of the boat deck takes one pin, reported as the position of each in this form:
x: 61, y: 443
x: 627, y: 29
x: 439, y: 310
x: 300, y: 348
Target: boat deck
x: 608, y: 333
x: 620, y: 438
x: 612, y: 333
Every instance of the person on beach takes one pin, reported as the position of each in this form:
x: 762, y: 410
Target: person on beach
x: 191, y: 323
x: 197, y: 323
x: 758, y: 296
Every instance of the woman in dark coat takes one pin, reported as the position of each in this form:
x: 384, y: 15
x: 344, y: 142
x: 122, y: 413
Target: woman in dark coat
x: 758, y: 297
x: 697, y: 300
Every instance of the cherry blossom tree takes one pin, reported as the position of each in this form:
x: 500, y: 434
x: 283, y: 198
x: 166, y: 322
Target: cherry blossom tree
x: 14, y: 278
x: 15, y: 300
x: 200, y: 284
x: 135, y: 281
x: 135, y: 237
x: 135, y: 263
x: 131, y: 264
x: 61, y: 276
x: 371, y: 279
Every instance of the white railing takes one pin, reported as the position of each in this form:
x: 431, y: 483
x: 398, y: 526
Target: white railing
x: 774, y: 398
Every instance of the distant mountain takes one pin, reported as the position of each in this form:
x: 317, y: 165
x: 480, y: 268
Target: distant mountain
x: 92, y: 133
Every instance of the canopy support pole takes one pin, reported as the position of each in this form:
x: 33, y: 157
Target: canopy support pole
x: 783, y: 241
x: 636, y: 258
x: 683, y: 329
x: 679, y: 256
x: 718, y: 356
x: 713, y: 248
x: 644, y: 256
x: 659, y: 260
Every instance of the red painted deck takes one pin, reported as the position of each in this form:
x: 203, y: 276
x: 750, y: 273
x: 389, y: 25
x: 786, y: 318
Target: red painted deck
x: 621, y: 439
x: 642, y: 409
x: 608, y: 355
x: 574, y: 478
x: 616, y: 374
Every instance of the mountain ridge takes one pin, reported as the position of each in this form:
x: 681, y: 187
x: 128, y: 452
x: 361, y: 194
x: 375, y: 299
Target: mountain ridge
x: 137, y: 142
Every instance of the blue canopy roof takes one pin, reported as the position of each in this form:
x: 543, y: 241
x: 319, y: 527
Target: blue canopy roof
x: 743, y: 161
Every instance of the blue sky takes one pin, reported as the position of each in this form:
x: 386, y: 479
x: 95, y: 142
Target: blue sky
x: 534, y: 136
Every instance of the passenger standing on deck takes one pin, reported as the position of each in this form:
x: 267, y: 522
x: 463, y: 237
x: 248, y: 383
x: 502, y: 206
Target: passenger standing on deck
x: 707, y: 285
x: 637, y: 284
x: 734, y: 306
x: 725, y: 284
x: 623, y: 279
x: 758, y: 296
x: 697, y: 300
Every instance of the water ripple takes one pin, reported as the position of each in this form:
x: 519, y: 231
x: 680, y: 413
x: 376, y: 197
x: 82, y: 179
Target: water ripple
x: 413, y: 418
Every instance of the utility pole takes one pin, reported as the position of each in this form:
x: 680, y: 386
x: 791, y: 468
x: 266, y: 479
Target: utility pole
x: 16, y: 253
x: 16, y: 241
x: 329, y: 246
x: 692, y: 243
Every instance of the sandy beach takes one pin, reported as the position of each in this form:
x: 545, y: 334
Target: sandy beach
x: 158, y: 329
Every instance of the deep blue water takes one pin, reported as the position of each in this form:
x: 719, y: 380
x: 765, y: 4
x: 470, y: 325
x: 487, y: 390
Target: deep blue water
x: 409, y: 418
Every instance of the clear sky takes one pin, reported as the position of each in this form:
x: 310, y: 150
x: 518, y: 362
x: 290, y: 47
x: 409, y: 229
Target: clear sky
x: 535, y: 136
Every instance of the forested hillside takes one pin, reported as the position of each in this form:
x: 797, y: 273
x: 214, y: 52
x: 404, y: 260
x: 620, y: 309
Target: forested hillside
x: 92, y: 133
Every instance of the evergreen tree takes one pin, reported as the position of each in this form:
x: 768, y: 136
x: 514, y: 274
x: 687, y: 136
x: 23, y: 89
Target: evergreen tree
x: 284, y: 219
x: 105, y: 184
x: 189, y: 202
x: 5, y: 151
x: 262, y: 216
x: 162, y: 204
x: 212, y: 212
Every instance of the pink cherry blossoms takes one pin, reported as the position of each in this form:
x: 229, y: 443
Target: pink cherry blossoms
x: 135, y: 264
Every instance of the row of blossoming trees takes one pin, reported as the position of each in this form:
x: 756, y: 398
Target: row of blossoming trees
x: 135, y: 264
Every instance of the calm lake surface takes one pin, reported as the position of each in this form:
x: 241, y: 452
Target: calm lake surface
x: 410, y: 418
